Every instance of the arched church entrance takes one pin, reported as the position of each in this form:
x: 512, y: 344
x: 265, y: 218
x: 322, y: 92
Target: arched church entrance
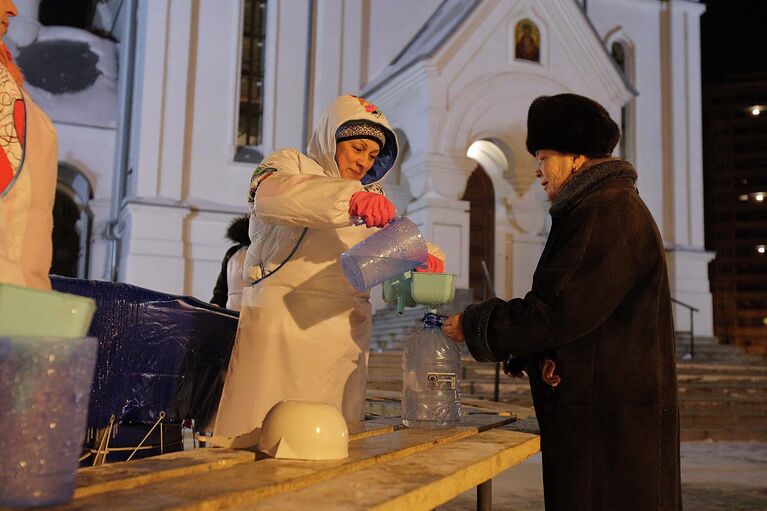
x: 72, y: 223
x: 66, y: 238
x: 481, y: 197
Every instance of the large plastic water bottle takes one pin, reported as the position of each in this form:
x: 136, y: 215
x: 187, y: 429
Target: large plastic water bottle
x: 431, y: 380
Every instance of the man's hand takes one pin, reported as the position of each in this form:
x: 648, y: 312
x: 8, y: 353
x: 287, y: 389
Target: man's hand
x: 452, y: 328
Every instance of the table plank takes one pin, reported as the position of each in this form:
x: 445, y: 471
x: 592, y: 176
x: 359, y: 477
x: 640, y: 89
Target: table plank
x: 123, y: 476
x: 419, y: 482
x: 364, y: 429
x: 247, y: 482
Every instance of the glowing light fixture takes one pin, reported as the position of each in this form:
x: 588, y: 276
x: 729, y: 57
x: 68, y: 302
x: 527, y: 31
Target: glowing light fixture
x: 759, y: 196
x: 756, y: 111
x: 761, y: 249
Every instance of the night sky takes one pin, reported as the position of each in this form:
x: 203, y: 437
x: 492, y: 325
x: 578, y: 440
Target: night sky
x: 733, y: 39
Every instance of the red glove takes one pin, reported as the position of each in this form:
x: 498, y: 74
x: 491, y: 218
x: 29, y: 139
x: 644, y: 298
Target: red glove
x: 433, y: 264
x: 375, y: 209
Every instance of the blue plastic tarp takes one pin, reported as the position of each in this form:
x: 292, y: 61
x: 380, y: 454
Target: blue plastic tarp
x: 157, y: 352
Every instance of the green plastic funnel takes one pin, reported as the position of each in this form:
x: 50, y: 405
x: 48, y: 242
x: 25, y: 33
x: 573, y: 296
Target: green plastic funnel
x: 413, y: 288
x: 432, y: 289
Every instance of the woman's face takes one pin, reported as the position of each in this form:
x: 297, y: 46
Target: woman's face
x: 555, y: 168
x: 355, y: 157
x: 7, y: 11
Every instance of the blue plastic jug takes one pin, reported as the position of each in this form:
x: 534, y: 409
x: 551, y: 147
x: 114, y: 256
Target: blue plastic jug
x: 390, y: 252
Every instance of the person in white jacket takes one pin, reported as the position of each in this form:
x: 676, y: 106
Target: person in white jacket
x: 304, y: 332
x: 28, y: 173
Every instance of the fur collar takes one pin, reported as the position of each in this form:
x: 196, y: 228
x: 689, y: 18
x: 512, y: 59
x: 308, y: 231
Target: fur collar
x: 238, y: 230
x: 590, y: 179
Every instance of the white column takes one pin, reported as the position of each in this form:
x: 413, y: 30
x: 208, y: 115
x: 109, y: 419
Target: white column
x: 525, y: 237
x: 438, y: 181
x: 99, y: 246
x: 161, y: 111
x: 206, y: 246
x: 683, y: 173
x: 152, y: 250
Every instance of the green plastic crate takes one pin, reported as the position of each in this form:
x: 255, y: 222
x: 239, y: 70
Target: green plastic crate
x: 36, y: 313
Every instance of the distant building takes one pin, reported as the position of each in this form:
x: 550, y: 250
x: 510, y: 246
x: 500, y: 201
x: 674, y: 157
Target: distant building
x: 204, y: 89
x: 735, y: 168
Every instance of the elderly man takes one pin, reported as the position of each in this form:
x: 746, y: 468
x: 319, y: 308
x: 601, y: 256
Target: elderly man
x: 595, y: 334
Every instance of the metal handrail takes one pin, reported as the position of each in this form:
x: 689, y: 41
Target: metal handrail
x: 692, y: 310
x: 491, y: 288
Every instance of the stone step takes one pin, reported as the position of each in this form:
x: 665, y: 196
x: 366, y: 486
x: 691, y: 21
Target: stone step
x: 702, y: 367
x: 751, y: 360
x: 724, y: 403
x: 692, y: 382
x: 395, y: 358
x: 721, y: 399
x: 717, y: 394
x: 724, y: 385
x: 713, y: 395
x: 730, y: 433
x: 716, y: 424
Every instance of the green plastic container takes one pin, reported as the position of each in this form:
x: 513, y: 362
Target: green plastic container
x: 36, y: 313
x: 412, y: 288
x: 397, y: 291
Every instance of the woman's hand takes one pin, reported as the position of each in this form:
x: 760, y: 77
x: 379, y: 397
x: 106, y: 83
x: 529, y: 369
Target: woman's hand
x: 433, y: 264
x: 375, y: 209
x: 514, y: 367
x: 452, y: 328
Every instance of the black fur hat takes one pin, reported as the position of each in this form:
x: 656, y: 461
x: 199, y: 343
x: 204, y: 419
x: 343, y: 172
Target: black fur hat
x: 569, y: 123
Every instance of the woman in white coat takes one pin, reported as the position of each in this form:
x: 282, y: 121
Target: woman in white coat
x: 28, y: 172
x: 304, y: 332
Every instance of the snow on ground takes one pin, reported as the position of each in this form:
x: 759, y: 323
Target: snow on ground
x: 716, y: 476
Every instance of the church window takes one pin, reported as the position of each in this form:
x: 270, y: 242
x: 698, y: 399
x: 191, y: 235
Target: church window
x: 620, y: 54
x: 252, y: 74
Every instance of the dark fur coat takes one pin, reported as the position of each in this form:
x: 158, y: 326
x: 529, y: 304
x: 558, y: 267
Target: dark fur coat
x: 600, y: 309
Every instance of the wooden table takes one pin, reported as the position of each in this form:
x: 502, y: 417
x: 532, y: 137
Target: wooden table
x: 389, y: 467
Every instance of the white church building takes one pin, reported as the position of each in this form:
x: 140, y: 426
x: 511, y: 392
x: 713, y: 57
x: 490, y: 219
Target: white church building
x: 158, y: 151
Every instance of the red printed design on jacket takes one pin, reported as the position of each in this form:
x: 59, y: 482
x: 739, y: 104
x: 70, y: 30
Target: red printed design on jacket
x: 369, y: 107
x: 12, y: 126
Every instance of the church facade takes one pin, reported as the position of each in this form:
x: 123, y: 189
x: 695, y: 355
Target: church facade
x: 207, y: 87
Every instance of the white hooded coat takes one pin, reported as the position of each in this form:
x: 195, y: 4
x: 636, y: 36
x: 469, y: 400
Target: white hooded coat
x: 26, y: 221
x: 304, y: 332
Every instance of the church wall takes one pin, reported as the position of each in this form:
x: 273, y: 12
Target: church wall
x: 637, y: 24
x: 392, y: 24
x: 187, y: 106
x: 90, y: 150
